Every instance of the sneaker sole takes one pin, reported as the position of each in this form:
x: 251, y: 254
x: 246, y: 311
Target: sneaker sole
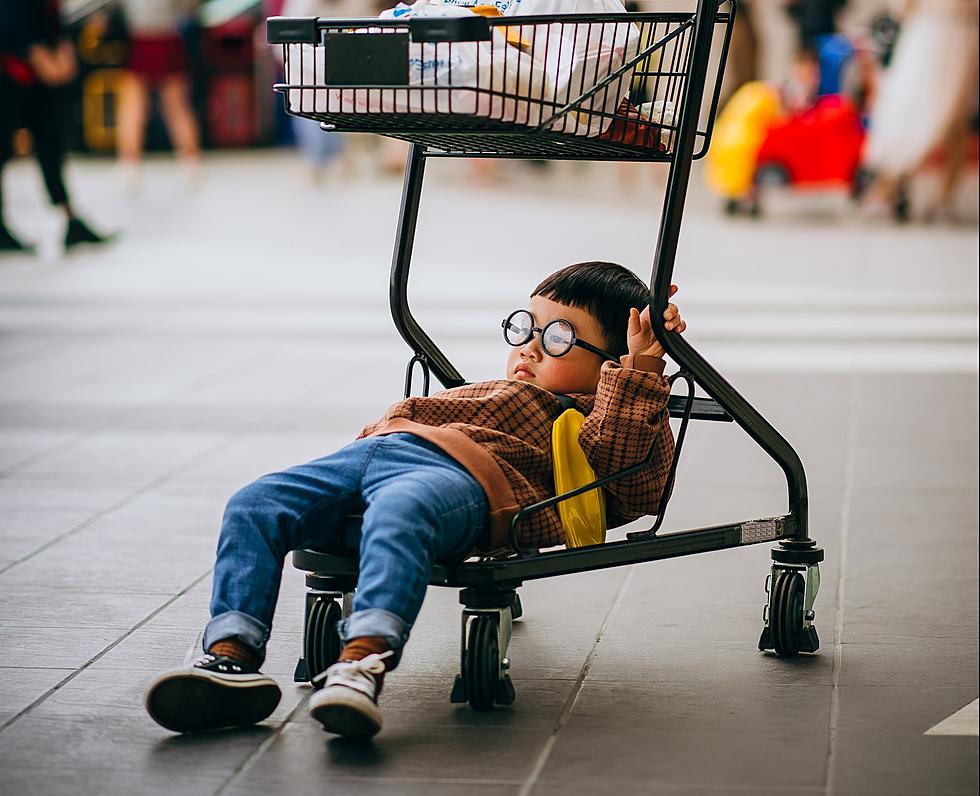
x: 199, y: 701
x: 349, y: 718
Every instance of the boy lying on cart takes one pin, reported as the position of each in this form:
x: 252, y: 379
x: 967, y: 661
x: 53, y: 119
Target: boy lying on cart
x: 436, y: 479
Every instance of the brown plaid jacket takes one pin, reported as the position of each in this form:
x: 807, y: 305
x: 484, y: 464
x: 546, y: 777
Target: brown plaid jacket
x: 501, y: 432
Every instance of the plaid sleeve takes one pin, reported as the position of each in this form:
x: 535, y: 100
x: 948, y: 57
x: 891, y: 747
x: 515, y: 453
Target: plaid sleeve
x: 629, y: 418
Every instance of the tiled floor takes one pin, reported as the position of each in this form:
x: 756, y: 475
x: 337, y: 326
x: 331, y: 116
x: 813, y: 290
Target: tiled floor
x: 243, y: 328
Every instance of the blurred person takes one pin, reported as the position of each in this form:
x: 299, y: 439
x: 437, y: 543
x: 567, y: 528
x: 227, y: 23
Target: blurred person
x: 800, y: 90
x: 743, y: 52
x: 924, y: 102
x: 814, y: 20
x: 158, y: 59
x: 317, y: 147
x: 37, y: 64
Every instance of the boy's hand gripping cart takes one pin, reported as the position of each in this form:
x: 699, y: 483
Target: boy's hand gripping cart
x: 365, y: 87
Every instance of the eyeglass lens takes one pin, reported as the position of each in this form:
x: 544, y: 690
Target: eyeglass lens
x: 557, y: 338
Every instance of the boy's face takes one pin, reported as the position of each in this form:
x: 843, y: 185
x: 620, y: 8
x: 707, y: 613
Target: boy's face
x: 576, y: 371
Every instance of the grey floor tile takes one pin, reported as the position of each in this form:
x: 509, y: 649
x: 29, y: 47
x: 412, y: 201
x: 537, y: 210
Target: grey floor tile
x: 945, y: 622
x: 377, y: 786
x: 19, y: 687
x: 899, y: 709
x: 132, y: 456
x: 672, y: 756
x: 882, y: 762
x: 909, y: 665
x: 724, y: 456
x: 53, y: 607
x: 107, y: 781
x: 128, y: 742
x: 740, y: 665
x: 60, y: 647
x: 37, y: 511
x: 304, y: 753
x: 671, y: 789
x: 625, y: 707
x: 937, y: 450
x: 17, y: 446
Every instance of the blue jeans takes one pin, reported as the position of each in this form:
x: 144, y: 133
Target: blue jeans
x: 419, y: 505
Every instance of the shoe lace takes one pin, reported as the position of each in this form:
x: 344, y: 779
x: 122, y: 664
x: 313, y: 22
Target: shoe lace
x: 369, y: 665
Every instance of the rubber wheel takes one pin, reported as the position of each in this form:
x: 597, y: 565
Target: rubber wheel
x: 516, y: 608
x: 320, y: 640
x: 786, y: 613
x: 482, y: 663
x: 771, y: 175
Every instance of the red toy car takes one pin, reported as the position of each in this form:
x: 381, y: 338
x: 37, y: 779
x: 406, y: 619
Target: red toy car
x: 817, y: 147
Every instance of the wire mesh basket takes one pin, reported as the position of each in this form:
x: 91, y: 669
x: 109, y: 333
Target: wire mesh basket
x: 567, y: 86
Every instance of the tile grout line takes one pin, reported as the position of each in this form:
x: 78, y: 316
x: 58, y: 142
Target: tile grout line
x: 99, y: 655
x: 260, y: 750
x: 845, y: 523
x: 106, y: 427
x: 41, y: 455
x: 159, y: 481
x: 572, y: 699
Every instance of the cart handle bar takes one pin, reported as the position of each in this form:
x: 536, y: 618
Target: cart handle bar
x: 306, y: 30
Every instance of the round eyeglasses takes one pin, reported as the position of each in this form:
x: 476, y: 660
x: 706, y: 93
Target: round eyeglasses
x: 557, y: 337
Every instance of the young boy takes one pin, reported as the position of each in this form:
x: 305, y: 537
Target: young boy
x: 435, y: 479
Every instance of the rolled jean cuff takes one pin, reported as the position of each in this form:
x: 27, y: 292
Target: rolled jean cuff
x: 376, y: 622
x: 234, y: 624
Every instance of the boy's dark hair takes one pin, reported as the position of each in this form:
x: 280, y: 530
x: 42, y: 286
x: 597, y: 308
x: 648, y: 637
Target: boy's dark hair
x: 607, y: 291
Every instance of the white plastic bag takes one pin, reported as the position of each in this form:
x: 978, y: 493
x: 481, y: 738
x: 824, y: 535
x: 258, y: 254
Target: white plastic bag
x: 522, y: 85
x: 493, y: 66
x: 574, y: 56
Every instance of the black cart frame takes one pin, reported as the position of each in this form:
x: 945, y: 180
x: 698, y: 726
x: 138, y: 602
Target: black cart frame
x: 489, y: 586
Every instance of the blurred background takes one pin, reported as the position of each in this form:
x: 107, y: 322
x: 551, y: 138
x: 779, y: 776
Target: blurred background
x: 187, y: 75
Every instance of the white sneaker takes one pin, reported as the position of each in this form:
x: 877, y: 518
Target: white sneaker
x: 348, y: 702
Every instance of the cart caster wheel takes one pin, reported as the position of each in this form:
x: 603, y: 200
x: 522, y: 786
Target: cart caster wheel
x: 786, y: 614
x: 516, y: 608
x: 321, y: 644
x: 482, y: 663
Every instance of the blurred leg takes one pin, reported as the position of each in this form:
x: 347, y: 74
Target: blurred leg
x: 131, y: 127
x: 175, y: 102
x: 46, y: 117
x: 955, y: 157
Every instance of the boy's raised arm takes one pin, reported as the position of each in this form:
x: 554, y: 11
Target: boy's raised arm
x: 629, y: 418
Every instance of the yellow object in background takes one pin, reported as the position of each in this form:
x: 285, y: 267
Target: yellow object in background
x: 584, y: 517
x: 740, y: 129
x: 511, y: 32
x: 100, y: 100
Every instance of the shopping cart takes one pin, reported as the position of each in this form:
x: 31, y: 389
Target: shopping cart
x: 650, y: 100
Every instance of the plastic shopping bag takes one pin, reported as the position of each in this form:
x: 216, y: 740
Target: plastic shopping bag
x: 577, y: 57
x: 525, y: 74
x: 442, y: 77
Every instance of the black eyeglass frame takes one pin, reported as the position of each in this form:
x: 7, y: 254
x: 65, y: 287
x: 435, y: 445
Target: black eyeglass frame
x: 574, y: 342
